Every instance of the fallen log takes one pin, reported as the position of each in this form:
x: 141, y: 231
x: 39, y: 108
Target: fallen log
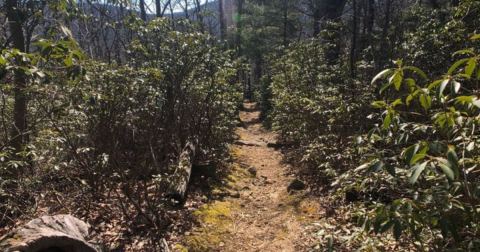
x: 248, y: 143
x: 207, y: 169
x: 60, y: 233
x: 183, y: 171
x: 281, y: 144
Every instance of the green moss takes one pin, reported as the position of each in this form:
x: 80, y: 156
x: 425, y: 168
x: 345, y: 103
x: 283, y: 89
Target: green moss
x: 215, y: 222
x: 235, y: 152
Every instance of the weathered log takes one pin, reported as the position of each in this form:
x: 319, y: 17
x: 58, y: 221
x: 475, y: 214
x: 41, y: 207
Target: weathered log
x: 248, y: 143
x: 182, y: 174
x: 208, y: 169
x: 49, y: 233
x: 281, y: 144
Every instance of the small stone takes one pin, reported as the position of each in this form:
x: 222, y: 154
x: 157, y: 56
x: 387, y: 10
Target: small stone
x: 252, y: 171
x: 234, y: 194
x: 296, y: 185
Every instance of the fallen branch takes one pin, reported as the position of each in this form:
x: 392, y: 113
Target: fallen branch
x: 281, y: 144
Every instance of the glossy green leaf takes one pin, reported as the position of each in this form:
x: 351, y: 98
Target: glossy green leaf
x: 390, y: 169
x: 475, y: 37
x: 452, y: 156
x: 425, y: 101
x: 444, y: 227
x: 410, y: 97
x: 376, y: 167
x: 456, y: 86
x: 397, y: 230
x: 387, y: 226
x: 379, y: 104
x: 446, y: 167
x: 418, y: 71
x: 385, y: 87
x: 397, y: 81
x: 410, y: 152
x: 441, y: 87
x: 396, y: 102
x: 388, y: 120
x: 465, y: 99
x: 66, y: 31
x: 464, y: 51
x: 382, y: 74
x: 472, y: 63
x: 456, y: 65
x: 68, y: 61
x: 471, y: 146
x: 416, y: 157
x: 434, y: 84
x: 411, y: 84
x: 417, y: 170
x: 399, y: 63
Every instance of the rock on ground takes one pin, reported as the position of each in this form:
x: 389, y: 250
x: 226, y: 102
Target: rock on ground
x: 49, y: 233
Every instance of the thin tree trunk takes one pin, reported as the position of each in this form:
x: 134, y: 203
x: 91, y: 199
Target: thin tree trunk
x: 158, y: 8
x: 285, y: 23
x: 238, y: 38
x: 317, y: 17
x: 354, y: 40
x: 371, y: 16
x: 329, y: 11
x: 223, y: 28
x: 18, y: 133
x: 434, y: 4
x: 143, y: 13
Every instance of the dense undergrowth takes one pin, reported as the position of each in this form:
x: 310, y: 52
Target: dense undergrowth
x: 398, y: 154
x: 100, y: 130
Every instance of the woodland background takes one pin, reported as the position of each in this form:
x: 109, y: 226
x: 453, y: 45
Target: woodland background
x: 99, y: 98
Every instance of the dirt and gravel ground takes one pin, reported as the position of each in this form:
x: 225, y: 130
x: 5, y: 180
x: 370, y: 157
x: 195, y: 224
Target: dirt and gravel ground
x: 263, y: 216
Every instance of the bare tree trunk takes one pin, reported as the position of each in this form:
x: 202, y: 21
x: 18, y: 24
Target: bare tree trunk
x: 18, y: 133
x: 317, y: 17
x: 187, y: 16
x: 354, y: 40
x: 434, y: 4
x: 223, y: 27
x: 325, y: 13
x: 238, y: 38
x: 371, y: 15
x: 143, y: 13
x: 158, y: 8
x: 285, y: 23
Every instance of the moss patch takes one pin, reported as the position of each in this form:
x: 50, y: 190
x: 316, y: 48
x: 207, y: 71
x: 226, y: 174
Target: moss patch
x: 306, y: 210
x: 216, y: 223
x: 235, y: 152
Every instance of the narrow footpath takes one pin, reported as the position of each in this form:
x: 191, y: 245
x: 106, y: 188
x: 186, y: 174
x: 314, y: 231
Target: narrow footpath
x: 270, y: 219
x: 262, y: 216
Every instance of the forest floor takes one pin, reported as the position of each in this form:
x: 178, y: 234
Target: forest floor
x: 257, y: 213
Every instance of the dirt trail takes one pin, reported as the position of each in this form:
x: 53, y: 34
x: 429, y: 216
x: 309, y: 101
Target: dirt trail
x: 268, y: 219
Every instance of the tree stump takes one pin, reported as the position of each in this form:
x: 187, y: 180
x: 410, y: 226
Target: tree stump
x: 58, y: 233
